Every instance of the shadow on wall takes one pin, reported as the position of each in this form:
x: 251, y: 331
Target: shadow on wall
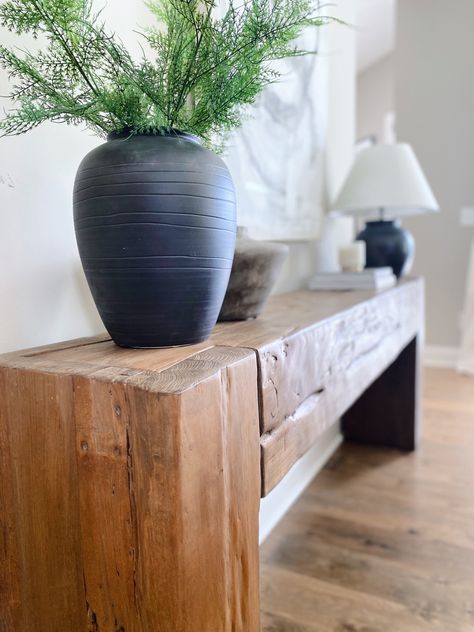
x: 29, y: 318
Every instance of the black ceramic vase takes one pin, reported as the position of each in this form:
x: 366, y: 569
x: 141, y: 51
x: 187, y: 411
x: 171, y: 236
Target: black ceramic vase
x: 388, y: 244
x: 155, y: 226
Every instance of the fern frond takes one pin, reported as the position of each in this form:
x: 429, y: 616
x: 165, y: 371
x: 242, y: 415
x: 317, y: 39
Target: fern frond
x: 204, y: 73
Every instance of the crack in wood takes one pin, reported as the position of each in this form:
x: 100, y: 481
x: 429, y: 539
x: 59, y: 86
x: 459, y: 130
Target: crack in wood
x: 131, y: 495
x: 91, y: 615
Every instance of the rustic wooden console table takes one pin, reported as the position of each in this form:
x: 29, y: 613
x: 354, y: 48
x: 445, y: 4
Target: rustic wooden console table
x: 130, y: 480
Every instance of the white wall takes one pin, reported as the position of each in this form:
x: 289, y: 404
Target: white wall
x: 44, y: 295
x: 434, y: 94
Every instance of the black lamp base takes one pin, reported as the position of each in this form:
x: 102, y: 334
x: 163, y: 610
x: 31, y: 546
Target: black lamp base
x: 388, y: 244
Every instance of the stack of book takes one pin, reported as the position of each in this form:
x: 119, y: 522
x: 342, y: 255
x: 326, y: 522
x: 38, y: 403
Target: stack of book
x: 368, y: 279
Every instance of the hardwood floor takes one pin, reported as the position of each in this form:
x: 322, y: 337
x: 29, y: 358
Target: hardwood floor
x: 383, y: 541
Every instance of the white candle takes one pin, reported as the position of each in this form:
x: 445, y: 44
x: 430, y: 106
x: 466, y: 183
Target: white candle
x: 352, y: 257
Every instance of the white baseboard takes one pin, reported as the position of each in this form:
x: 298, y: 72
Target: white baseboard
x: 441, y: 357
x: 280, y: 499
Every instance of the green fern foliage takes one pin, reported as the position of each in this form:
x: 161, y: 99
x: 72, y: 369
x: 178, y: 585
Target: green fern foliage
x: 202, y: 72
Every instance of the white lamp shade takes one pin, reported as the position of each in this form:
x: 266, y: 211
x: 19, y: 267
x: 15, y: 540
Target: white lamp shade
x: 387, y: 177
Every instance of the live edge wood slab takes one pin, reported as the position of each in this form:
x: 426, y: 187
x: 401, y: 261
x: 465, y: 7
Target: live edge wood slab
x: 130, y: 480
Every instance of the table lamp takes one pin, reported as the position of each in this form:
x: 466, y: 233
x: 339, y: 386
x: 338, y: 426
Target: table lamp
x: 387, y: 180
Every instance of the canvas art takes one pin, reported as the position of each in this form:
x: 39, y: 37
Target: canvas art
x: 277, y: 157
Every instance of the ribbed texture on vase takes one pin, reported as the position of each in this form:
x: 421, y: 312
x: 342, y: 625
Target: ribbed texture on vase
x: 155, y: 225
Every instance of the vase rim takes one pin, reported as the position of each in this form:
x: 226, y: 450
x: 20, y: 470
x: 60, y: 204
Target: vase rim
x: 127, y: 133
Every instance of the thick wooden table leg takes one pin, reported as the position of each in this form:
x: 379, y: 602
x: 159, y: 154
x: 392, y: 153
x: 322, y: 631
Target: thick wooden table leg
x: 129, y: 499
x: 388, y: 412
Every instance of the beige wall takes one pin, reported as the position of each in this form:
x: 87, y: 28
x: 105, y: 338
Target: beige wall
x: 435, y: 113
x: 375, y: 98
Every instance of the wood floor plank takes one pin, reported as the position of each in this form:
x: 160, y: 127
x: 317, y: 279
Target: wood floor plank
x: 383, y: 541
x: 429, y: 588
x: 325, y: 607
x: 277, y: 623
